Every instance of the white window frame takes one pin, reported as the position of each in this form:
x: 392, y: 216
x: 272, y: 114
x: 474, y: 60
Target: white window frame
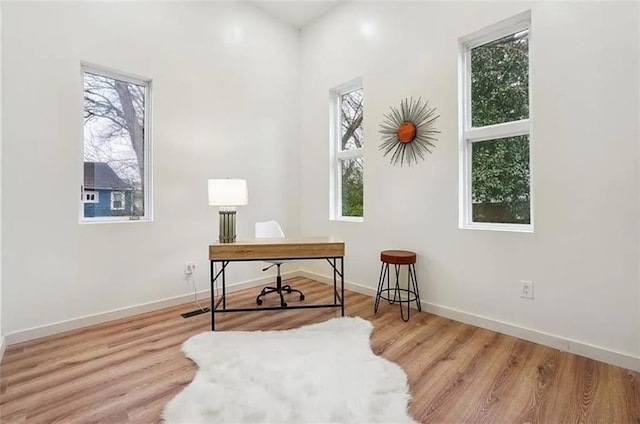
x: 469, y: 135
x: 96, y: 195
x: 337, y: 155
x: 147, y: 174
x: 124, y: 201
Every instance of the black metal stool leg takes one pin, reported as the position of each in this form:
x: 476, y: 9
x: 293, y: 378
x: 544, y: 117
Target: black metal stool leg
x: 388, y: 273
x: 415, y: 286
x: 402, y: 311
x: 380, y: 285
x: 398, y: 292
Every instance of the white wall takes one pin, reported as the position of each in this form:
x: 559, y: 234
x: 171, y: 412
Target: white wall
x: 583, y: 256
x: 2, y: 342
x: 224, y: 105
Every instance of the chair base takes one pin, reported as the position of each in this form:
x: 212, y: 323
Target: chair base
x: 280, y: 289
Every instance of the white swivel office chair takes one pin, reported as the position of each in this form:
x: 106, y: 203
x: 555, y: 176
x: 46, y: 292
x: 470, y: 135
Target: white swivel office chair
x: 271, y: 229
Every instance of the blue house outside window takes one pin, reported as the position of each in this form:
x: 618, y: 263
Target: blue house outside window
x: 104, y: 193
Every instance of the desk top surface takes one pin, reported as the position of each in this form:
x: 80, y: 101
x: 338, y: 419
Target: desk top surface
x: 277, y: 248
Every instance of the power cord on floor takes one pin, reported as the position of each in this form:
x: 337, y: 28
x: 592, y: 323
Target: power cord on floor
x: 191, y: 278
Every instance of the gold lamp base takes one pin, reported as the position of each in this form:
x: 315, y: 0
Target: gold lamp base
x: 227, y: 227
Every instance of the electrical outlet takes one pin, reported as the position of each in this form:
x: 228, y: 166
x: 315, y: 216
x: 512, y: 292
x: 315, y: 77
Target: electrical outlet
x: 189, y: 267
x: 526, y: 289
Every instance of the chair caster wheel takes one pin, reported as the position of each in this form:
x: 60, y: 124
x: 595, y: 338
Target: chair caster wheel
x: 258, y: 301
x: 283, y: 305
x: 288, y: 291
x: 301, y: 296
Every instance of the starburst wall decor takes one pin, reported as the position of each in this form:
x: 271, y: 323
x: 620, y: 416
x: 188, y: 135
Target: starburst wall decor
x: 408, y: 132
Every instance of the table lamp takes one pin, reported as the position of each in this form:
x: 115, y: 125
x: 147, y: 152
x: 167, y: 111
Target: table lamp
x: 227, y: 194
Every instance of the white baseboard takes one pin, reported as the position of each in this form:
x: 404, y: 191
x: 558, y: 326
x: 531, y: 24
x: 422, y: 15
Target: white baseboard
x: 619, y: 359
x: 561, y: 343
x: 2, y: 347
x: 73, y: 324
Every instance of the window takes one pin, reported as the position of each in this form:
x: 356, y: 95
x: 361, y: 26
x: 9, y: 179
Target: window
x: 495, y: 122
x: 91, y: 196
x: 117, y: 201
x: 347, y: 148
x: 116, y: 147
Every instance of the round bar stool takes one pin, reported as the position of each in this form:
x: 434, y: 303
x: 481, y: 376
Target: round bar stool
x: 397, y: 258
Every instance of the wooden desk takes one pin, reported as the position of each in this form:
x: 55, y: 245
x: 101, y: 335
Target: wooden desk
x: 263, y: 249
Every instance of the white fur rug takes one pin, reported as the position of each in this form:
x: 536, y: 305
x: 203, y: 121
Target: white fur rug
x: 321, y: 373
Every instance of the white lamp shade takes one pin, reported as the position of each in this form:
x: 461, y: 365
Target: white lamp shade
x: 228, y: 192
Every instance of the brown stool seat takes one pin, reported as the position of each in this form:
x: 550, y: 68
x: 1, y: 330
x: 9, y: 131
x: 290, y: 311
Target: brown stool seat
x: 398, y: 257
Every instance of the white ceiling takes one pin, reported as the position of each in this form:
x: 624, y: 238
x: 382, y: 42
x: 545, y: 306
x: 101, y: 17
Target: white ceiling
x: 298, y: 13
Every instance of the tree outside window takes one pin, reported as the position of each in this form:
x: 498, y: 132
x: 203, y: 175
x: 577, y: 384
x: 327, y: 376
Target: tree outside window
x: 352, y: 138
x: 347, y: 151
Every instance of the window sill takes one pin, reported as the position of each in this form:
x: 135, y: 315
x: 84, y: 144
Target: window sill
x: 487, y: 226
x: 114, y: 221
x: 348, y: 219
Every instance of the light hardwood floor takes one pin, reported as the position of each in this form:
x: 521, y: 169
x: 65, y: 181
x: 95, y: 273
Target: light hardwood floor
x: 125, y: 371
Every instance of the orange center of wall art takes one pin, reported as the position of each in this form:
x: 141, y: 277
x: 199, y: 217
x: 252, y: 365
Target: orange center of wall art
x: 406, y: 132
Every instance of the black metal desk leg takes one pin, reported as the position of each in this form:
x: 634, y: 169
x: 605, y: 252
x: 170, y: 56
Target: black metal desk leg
x: 212, y: 307
x: 335, y: 287
x: 342, y: 283
x: 224, y: 288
